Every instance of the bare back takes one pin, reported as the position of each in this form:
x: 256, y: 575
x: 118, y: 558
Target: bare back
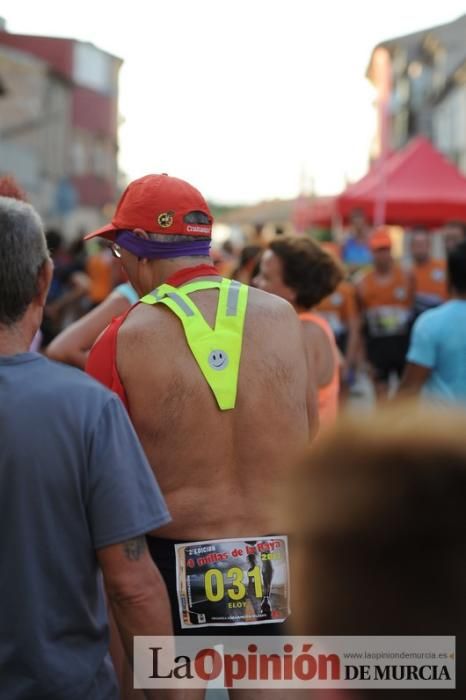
x: 218, y: 470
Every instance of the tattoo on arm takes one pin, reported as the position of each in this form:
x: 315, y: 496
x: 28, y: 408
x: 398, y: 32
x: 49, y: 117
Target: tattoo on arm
x: 134, y: 548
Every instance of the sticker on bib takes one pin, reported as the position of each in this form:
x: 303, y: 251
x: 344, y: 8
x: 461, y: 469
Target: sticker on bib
x: 400, y: 293
x: 244, y: 581
x: 438, y: 275
x: 218, y: 360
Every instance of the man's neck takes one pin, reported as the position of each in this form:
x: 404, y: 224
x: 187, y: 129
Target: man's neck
x: 168, y: 268
x: 14, y: 339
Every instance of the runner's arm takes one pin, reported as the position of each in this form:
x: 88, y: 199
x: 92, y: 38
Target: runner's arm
x: 137, y: 595
x: 413, y: 379
x: 136, y: 591
x: 420, y: 359
x: 73, y: 344
x: 353, y: 321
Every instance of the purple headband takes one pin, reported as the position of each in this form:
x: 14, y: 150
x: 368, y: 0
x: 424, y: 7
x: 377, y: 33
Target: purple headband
x: 144, y: 248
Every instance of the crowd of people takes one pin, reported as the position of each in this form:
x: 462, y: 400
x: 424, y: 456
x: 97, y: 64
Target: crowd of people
x: 206, y: 379
x: 356, y: 294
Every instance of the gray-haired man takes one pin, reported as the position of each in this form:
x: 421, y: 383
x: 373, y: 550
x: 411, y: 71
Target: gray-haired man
x: 76, y: 494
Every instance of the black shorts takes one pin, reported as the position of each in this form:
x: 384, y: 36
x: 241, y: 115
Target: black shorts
x: 341, y: 340
x: 162, y: 551
x: 387, y: 355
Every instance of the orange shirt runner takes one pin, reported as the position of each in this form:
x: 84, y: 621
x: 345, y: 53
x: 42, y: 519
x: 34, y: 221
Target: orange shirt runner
x: 339, y: 309
x: 388, y: 305
x: 328, y: 394
x: 430, y: 282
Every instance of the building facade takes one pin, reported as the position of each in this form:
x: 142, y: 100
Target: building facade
x: 426, y: 72
x: 59, y: 126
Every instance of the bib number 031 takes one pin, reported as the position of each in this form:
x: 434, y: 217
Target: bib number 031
x: 214, y: 579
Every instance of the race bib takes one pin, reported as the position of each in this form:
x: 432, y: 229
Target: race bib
x: 387, y: 320
x: 233, y: 581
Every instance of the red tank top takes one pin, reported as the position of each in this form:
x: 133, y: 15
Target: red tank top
x: 101, y: 362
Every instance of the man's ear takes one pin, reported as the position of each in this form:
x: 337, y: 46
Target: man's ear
x: 44, y: 281
x: 142, y: 234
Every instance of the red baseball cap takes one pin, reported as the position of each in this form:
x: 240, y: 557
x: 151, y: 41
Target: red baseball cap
x: 158, y: 204
x: 380, y: 239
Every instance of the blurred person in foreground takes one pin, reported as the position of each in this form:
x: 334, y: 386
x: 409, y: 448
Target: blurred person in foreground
x: 379, y: 534
x: 436, y: 361
x: 430, y: 275
x: 10, y: 188
x: 218, y: 385
x: 300, y: 271
x: 385, y: 296
x: 454, y: 232
x: 76, y: 496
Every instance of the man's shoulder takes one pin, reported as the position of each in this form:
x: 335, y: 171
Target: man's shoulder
x: 433, y: 319
x: 258, y: 297
x: 267, y: 304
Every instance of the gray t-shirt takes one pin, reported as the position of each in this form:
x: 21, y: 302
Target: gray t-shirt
x: 73, y: 479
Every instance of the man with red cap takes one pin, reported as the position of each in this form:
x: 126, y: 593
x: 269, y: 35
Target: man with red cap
x: 386, y: 296
x: 216, y: 380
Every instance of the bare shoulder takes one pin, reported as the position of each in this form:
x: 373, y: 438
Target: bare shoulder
x: 141, y: 324
x: 270, y: 305
x: 316, y: 340
x: 313, y: 333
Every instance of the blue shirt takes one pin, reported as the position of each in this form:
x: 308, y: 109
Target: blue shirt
x: 127, y: 291
x: 355, y: 252
x: 73, y: 479
x: 438, y: 341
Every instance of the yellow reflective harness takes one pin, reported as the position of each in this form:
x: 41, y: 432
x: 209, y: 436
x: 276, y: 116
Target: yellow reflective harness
x: 216, y: 350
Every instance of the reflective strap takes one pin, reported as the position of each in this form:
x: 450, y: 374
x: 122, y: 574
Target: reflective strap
x: 200, y: 286
x: 207, y: 344
x: 159, y: 293
x: 181, y: 303
x: 233, y: 297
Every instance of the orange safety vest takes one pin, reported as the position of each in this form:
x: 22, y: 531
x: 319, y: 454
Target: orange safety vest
x: 388, y: 306
x: 339, y: 308
x: 431, y: 281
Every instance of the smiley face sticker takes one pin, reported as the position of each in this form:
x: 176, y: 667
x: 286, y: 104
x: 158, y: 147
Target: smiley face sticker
x: 218, y: 360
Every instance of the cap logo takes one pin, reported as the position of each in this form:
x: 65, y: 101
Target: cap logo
x: 198, y: 229
x: 165, y: 220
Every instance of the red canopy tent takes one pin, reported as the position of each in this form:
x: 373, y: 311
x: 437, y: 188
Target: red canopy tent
x: 418, y: 185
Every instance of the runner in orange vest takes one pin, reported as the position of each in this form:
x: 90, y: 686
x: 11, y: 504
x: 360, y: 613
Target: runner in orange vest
x: 300, y: 271
x: 340, y: 310
x: 385, y: 295
x: 102, y: 273
x: 430, y: 278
